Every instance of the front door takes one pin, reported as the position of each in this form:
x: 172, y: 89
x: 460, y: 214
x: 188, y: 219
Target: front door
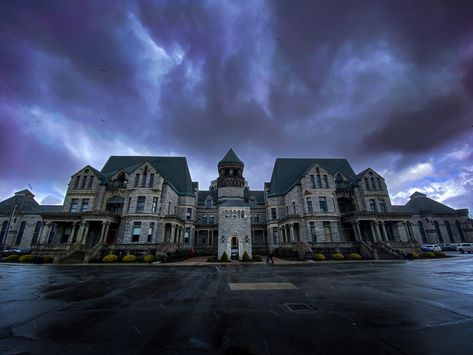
x: 234, y: 249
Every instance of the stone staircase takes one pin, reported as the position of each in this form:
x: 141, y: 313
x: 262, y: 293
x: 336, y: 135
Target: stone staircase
x: 384, y: 255
x: 77, y: 257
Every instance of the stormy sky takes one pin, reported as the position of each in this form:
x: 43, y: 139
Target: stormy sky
x: 385, y: 84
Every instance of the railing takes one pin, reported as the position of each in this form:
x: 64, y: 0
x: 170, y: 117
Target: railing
x: 69, y: 251
x: 367, y: 251
x: 402, y: 245
x: 93, y: 252
x: 388, y: 249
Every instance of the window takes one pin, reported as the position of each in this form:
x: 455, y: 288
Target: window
x: 189, y: 214
x: 154, y: 208
x: 143, y: 181
x: 310, y: 208
x: 208, y: 203
x: 234, y: 213
x: 242, y: 214
x: 460, y: 231
x: 323, y: 204
x: 437, y: 229
x: 4, y: 231
x: 252, y: 202
x: 367, y: 183
x: 52, y: 233
x: 275, y: 235
x: 449, y: 231
x: 226, y: 214
x: 150, y: 232
x: 76, y: 184
x: 84, y: 181
x: 74, y: 203
x: 327, y: 231
x: 422, y: 231
x: 91, y: 182
x: 204, y: 219
x: 273, y: 213
x: 140, y: 203
x: 380, y: 185
x: 169, y: 207
x: 319, y: 181
x: 187, y: 234
x: 312, y: 181
x: 373, y: 206
x: 20, y: 233
x: 256, y: 219
x: 85, y: 204
x: 129, y: 204
x: 373, y: 184
x: 382, y: 205
x: 212, y: 219
x: 312, y: 231
x: 137, y: 180
x: 293, y: 207
x: 326, y: 181
x: 34, y: 239
x: 151, y: 180
x: 135, y: 234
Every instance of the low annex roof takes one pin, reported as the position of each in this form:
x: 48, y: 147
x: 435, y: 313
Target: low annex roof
x: 25, y: 203
x: 174, y: 169
x: 419, y: 202
x: 288, y: 171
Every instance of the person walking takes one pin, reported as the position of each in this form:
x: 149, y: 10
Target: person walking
x: 269, y: 257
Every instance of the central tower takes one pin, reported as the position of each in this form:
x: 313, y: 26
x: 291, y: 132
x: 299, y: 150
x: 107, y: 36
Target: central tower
x: 230, y: 181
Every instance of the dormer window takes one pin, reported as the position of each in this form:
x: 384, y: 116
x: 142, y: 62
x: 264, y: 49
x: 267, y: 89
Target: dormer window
x: 252, y: 202
x: 208, y: 202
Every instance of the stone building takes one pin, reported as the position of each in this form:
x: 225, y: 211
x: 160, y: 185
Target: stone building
x: 143, y: 205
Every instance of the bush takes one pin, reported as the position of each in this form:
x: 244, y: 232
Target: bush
x: 224, y: 257
x: 12, y: 258
x: 412, y: 255
x: 439, y: 254
x: 210, y: 259
x: 354, y: 256
x: 149, y: 258
x: 427, y: 254
x: 337, y: 256
x: 28, y: 258
x: 257, y: 258
x: 318, y: 257
x: 47, y: 259
x: 110, y: 258
x: 129, y: 259
x: 245, y: 258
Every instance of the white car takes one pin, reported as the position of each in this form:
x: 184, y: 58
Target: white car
x: 465, y: 248
x: 430, y: 247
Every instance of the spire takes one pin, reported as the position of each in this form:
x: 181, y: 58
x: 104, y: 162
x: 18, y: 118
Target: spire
x: 230, y: 157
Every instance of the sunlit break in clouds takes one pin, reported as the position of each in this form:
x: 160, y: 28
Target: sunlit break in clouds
x: 385, y: 84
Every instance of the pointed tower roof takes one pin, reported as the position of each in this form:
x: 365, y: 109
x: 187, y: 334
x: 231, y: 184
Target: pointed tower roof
x: 230, y: 157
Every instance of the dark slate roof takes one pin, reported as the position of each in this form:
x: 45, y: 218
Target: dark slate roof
x: 230, y: 157
x: 421, y: 203
x: 288, y: 171
x: 234, y: 203
x: 49, y: 209
x: 202, y: 196
x: 24, y: 201
x: 174, y: 170
x: 99, y: 174
x: 258, y: 195
x: 360, y: 175
x: 401, y: 209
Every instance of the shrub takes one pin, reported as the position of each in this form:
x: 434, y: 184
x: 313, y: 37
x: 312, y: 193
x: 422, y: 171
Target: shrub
x: 257, y: 258
x: 354, y: 256
x: 210, y: 259
x: 129, y: 259
x: 427, y: 254
x: 110, y: 258
x: 245, y: 258
x: 28, y: 258
x: 412, y: 255
x: 318, y: 257
x: 439, y: 254
x: 149, y: 258
x: 47, y: 259
x: 337, y: 256
x: 224, y: 257
x: 12, y: 258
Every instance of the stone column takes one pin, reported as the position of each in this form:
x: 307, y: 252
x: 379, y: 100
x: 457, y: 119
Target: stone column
x: 73, y: 230
x: 373, y: 235
x: 378, y: 231
x: 86, y: 231
x: 291, y: 231
x: 105, y: 233
x: 173, y: 231
x: 411, y: 232
x: 358, y: 229
x: 43, y: 237
x: 357, y: 237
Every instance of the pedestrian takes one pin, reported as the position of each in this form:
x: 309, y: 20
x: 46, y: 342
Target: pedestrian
x: 269, y: 257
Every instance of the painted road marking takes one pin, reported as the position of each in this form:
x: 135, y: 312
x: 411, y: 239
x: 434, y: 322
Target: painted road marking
x: 262, y: 286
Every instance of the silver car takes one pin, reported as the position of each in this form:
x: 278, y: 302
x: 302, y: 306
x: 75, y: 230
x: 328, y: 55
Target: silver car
x: 465, y: 248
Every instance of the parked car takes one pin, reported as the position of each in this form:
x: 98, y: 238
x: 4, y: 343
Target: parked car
x: 465, y: 248
x: 430, y: 247
x: 448, y: 246
x: 10, y: 251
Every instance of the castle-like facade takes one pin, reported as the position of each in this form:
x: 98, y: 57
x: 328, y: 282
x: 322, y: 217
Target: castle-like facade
x: 147, y: 204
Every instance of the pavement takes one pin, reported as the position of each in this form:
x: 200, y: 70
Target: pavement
x: 402, y: 307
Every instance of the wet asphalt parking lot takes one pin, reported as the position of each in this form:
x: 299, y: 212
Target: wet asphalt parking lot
x: 411, y: 307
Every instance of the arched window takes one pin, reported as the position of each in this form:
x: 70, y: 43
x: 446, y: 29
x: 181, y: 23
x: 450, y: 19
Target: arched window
x: 449, y: 231
x: 242, y: 214
x: 460, y: 231
x: 234, y: 214
x: 20, y: 233
x: 3, y: 233
x: 437, y: 229
x: 34, y: 240
x: 226, y: 213
x: 420, y: 225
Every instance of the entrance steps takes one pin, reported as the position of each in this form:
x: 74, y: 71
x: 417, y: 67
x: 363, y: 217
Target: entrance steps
x: 76, y: 257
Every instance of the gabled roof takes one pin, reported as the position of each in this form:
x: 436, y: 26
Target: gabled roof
x: 230, y: 157
x: 97, y: 173
x: 174, y: 170
x: 288, y: 171
x: 258, y: 195
x: 419, y: 202
x: 23, y: 200
x: 202, y: 196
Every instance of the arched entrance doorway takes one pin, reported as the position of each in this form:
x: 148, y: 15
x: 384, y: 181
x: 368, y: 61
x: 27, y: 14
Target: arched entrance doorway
x: 234, y: 249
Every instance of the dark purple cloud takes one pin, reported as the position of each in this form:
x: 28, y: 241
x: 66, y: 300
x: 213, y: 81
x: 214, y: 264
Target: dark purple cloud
x: 387, y: 84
